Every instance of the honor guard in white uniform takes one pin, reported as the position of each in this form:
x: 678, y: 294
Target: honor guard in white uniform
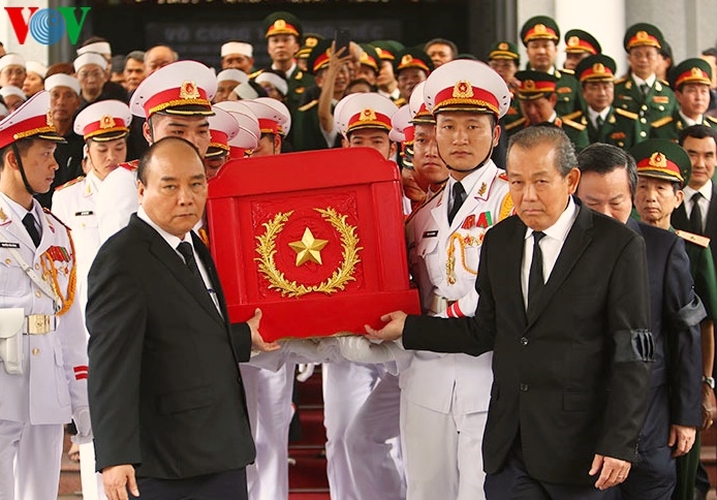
x: 223, y: 128
x: 361, y: 401
x: 43, y: 359
x: 269, y: 392
x: 444, y: 397
x: 104, y: 126
x: 247, y: 140
x: 176, y: 101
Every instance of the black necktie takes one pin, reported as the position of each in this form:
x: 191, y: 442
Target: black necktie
x: 459, y: 196
x: 600, y: 122
x: 696, y: 214
x: 185, y: 249
x: 29, y: 222
x: 644, y: 88
x: 535, y: 278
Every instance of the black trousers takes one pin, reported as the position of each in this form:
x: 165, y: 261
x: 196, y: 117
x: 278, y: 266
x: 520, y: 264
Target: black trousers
x: 229, y: 485
x: 514, y: 483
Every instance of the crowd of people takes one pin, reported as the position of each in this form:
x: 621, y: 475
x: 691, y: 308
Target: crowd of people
x: 564, y: 355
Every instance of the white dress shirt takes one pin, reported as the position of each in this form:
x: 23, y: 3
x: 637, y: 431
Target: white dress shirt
x: 550, y: 245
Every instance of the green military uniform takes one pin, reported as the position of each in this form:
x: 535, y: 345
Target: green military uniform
x: 618, y: 127
x: 306, y: 127
x: 692, y: 71
x: 655, y: 103
x: 567, y: 88
x: 507, y: 51
x: 540, y: 85
x: 411, y: 57
x: 285, y: 23
x: 670, y: 162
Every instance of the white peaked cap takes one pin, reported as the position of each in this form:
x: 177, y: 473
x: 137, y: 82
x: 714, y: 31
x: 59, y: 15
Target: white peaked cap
x: 274, y: 117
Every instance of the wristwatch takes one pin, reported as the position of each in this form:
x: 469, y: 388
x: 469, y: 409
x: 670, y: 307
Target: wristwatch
x: 709, y: 381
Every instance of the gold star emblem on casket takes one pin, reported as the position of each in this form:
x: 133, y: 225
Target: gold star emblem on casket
x: 308, y: 249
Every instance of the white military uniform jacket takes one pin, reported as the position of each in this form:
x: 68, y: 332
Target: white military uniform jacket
x: 74, y: 204
x: 118, y: 200
x: 444, y: 262
x: 54, y: 378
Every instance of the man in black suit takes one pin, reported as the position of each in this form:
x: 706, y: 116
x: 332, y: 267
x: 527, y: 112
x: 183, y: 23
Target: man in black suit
x: 166, y: 394
x: 698, y: 212
x: 607, y: 185
x: 568, y: 321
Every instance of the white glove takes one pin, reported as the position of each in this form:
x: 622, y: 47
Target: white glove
x: 359, y: 349
x: 306, y: 370
x: 81, y: 416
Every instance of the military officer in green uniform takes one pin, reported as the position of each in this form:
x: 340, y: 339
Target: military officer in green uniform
x: 309, y: 134
x: 640, y: 91
x: 540, y: 35
x: 604, y: 123
x: 656, y: 209
x: 283, y: 32
x: 310, y: 41
x: 411, y: 66
x: 579, y: 44
x: 504, y: 58
x: 690, y: 81
x: 538, y: 98
x: 386, y: 80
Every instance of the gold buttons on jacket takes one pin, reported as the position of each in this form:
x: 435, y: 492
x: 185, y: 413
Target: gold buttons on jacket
x: 35, y: 351
x: 38, y: 294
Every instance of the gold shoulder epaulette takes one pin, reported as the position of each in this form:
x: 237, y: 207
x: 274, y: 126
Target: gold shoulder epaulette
x: 626, y: 114
x: 255, y: 74
x: 515, y: 124
x: 661, y: 122
x: 70, y: 183
x: 47, y: 211
x: 308, y: 105
x: 573, y: 115
x: 710, y: 119
x: 400, y: 102
x: 697, y: 239
x: 568, y: 71
x: 572, y: 124
x: 664, y: 82
x: 621, y: 80
x: 425, y: 202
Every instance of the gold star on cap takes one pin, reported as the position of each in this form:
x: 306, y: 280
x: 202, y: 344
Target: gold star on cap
x: 107, y: 121
x: 308, y: 249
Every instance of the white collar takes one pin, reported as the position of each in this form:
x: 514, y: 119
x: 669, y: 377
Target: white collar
x: 471, y: 180
x: 172, y: 241
x: 705, y: 191
x: 689, y: 121
x: 649, y: 81
x: 20, y: 212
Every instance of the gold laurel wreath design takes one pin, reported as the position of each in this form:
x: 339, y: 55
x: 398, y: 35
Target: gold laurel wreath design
x: 266, y: 248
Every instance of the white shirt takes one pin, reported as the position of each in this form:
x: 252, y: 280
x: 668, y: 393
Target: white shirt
x: 593, y: 115
x: 174, y: 241
x: 704, y: 203
x: 288, y: 72
x: 689, y: 121
x: 468, y: 182
x: 20, y: 212
x: 650, y: 81
x: 550, y: 245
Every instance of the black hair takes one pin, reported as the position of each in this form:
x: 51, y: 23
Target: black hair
x: 698, y: 132
x: 605, y: 158
x: 149, y: 155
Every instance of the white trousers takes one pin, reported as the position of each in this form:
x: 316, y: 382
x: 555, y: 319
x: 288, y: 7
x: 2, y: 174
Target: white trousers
x: 442, y: 453
x: 361, y: 416
x: 29, y: 460
x: 268, y: 397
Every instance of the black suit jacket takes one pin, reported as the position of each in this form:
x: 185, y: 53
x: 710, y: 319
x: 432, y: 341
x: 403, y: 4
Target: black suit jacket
x: 570, y: 373
x: 165, y: 389
x: 681, y: 220
x: 675, y: 380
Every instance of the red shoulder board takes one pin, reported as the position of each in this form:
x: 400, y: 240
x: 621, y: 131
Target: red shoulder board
x: 130, y: 165
x: 503, y: 176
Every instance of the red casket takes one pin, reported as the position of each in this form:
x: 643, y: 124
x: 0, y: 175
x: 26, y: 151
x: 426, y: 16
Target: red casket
x: 314, y: 239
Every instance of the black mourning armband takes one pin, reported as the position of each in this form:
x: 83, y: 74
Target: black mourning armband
x: 634, y: 345
x: 690, y: 315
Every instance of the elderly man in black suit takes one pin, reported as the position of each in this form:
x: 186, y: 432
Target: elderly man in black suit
x: 166, y: 395
x: 607, y: 185
x: 564, y: 305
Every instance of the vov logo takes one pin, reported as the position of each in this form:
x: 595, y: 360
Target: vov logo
x: 47, y: 25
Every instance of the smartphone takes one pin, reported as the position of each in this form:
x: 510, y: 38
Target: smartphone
x: 342, y: 39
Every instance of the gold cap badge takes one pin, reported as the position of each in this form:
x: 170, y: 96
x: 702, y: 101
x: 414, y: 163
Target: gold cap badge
x: 279, y: 24
x: 641, y: 35
x: 463, y: 89
x: 367, y: 114
x: 599, y: 68
x: 503, y: 46
x: 529, y: 85
x: 107, y: 121
x: 658, y: 160
x: 540, y: 29
x: 407, y: 59
x: 573, y: 41
x: 188, y: 90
